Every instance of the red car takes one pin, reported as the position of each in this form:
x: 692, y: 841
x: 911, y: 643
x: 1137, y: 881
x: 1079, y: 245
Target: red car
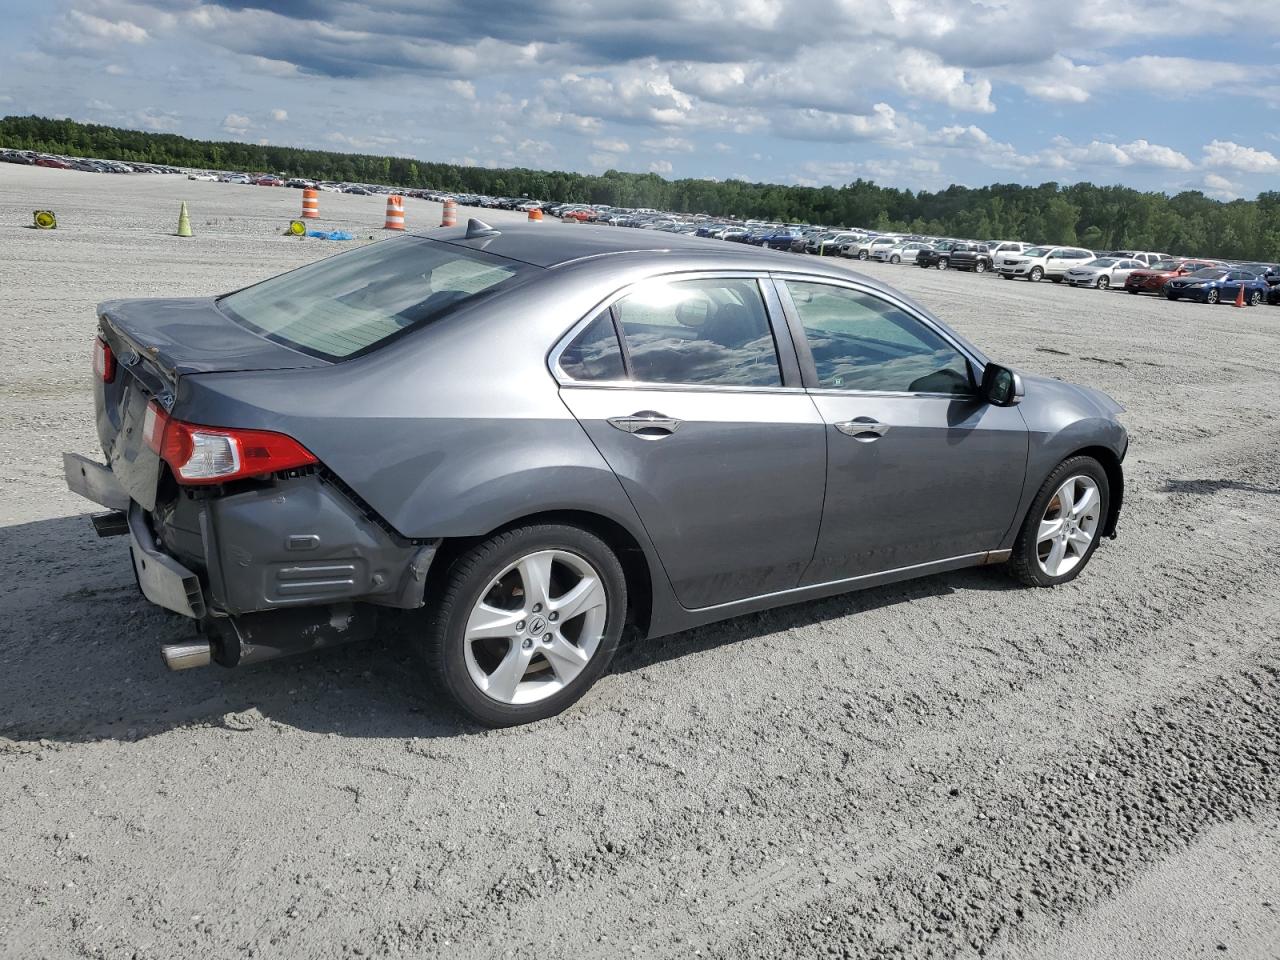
x: 269, y: 182
x: 1153, y: 279
x: 582, y: 216
x: 52, y: 162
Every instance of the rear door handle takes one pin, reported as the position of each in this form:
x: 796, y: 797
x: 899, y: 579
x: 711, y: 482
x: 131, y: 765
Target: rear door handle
x: 864, y: 429
x: 647, y: 425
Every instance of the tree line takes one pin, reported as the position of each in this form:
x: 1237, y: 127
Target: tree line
x: 1099, y: 217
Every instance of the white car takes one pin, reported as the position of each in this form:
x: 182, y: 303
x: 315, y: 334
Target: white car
x: 1145, y: 256
x: 998, y: 248
x: 1103, y: 273
x: 899, y: 252
x: 210, y: 177
x: 1039, y: 262
x: 867, y: 248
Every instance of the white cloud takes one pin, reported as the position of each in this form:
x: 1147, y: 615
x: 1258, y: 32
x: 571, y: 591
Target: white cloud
x: 1220, y: 187
x: 99, y: 31
x: 1233, y: 156
x: 660, y: 166
x: 669, y: 145
x: 463, y: 88
x: 612, y: 146
x: 279, y: 116
x: 236, y: 124
x: 924, y: 75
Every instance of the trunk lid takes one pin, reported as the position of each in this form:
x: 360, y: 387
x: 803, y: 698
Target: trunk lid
x: 156, y: 343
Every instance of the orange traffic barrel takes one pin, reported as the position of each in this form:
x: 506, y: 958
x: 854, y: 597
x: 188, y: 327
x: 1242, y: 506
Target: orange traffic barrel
x: 395, y: 213
x: 310, y: 204
x: 535, y: 213
x: 450, y: 216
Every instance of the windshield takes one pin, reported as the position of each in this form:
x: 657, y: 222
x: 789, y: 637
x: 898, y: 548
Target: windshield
x: 1103, y: 262
x: 1036, y: 251
x: 342, y: 306
x: 1210, y: 273
x: 1165, y: 265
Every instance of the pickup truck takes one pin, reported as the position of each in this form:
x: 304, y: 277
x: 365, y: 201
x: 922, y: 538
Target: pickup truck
x: 956, y: 254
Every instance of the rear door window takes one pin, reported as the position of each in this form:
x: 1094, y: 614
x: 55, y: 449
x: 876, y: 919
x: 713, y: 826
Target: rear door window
x: 699, y: 332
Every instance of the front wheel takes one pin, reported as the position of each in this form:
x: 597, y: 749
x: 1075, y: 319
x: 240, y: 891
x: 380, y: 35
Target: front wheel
x: 1062, y: 528
x: 980, y: 267
x: 1255, y: 298
x: 943, y: 263
x: 1036, y: 275
x: 1212, y: 296
x: 1104, y: 282
x: 895, y: 259
x: 862, y: 254
x: 525, y: 622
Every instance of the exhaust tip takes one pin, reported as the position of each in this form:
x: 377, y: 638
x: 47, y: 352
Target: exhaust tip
x: 185, y: 656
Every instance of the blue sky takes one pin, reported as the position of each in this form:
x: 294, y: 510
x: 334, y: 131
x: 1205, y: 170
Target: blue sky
x: 1170, y: 95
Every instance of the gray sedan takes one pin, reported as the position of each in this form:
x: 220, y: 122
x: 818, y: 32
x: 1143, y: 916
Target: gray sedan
x: 1103, y: 273
x: 537, y: 437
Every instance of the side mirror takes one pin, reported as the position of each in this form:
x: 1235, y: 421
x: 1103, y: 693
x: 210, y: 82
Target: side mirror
x: 1001, y: 387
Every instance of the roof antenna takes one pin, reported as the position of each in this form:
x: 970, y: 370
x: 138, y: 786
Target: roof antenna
x: 478, y: 228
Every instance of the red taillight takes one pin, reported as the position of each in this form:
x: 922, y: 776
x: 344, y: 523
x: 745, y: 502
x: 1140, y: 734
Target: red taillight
x: 104, y: 361
x: 199, y: 454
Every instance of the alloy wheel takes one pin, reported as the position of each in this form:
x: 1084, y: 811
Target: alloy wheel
x: 1104, y: 282
x: 535, y: 627
x: 1069, y: 525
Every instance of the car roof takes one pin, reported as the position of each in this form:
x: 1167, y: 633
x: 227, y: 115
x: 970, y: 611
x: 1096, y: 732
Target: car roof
x: 554, y: 246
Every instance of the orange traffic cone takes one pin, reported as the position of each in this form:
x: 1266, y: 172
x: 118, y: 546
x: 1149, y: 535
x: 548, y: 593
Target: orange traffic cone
x: 310, y: 204
x: 395, y: 213
x: 535, y: 214
x: 1240, y: 297
x: 449, y: 218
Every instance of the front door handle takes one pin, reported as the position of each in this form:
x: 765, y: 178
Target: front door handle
x: 647, y: 425
x: 864, y: 429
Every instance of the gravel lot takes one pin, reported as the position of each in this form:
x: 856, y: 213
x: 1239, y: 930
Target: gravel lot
x: 943, y: 768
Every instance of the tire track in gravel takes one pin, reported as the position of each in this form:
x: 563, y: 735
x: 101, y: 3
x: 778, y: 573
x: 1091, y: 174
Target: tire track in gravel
x: 1061, y: 839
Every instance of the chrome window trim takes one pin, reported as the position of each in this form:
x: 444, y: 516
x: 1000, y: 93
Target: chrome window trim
x: 674, y: 387
x: 561, y: 377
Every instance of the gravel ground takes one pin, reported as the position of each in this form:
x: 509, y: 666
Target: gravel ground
x: 950, y: 767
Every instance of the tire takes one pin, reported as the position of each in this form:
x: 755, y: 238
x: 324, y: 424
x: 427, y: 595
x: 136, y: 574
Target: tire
x: 1104, y: 282
x: 1036, y: 274
x: 1255, y: 298
x: 862, y: 254
x: 1027, y: 563
x: 1133, y: 290
x: 980, y: 267
x: 1212, y: 296
x: 943, y: 263
x: 895, y: 259
x: 493, y: 571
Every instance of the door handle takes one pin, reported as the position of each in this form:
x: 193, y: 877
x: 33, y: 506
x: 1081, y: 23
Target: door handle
x: 863, y: 429
x: 647, y: 425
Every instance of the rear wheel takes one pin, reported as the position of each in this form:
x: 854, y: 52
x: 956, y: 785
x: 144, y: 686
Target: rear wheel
x: 525, y: 623
x: 1036, y: 275
x: 1104, y: 282
x: 980, y: 267
x: 1062, y: 528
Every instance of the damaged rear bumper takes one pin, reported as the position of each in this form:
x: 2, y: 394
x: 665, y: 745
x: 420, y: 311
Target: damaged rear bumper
x: 274, y: 569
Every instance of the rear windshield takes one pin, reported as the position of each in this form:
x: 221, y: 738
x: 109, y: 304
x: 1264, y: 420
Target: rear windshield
x: 348, y: 304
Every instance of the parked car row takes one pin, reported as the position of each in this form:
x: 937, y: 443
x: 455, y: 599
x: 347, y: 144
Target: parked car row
x: 31, y: 158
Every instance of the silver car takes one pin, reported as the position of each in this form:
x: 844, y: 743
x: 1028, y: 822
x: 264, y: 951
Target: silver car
x: 1103, y: 273
x: 537, y: 437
